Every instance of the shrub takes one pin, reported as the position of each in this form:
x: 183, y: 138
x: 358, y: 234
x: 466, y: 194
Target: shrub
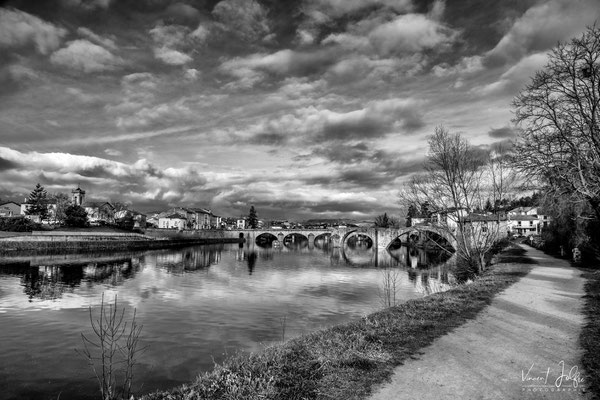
x: 75, y: 216
x: 18, y: 224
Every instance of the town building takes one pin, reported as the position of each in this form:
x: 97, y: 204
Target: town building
x: 172, y: 221
x: 99, y: 212
x: 526, y: 221
x: 10, y: 209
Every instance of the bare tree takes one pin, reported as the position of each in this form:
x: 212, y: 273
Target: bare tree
x: 391, y: 281
x: 62, y: 202
x: 113, y: 348
x: 458, y: 180
x: 559, y: 113
x: 501, y: 174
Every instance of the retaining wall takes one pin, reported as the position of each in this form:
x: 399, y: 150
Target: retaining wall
x: 57, y: 241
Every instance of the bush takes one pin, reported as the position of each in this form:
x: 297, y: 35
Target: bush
x: 126, y: 223
x: 18, y: 224
x: 75, y: 216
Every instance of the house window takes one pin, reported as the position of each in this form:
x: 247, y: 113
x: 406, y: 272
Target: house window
x: 530, y: 223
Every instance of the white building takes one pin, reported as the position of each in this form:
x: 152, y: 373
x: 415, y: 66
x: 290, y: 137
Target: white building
x: 525, y: 221
x: 172, y: 221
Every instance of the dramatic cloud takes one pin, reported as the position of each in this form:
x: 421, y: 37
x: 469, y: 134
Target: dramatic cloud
x: 106, y: 178
x: 17, y: 29
x: 310, y: 108
x: 85, y: 56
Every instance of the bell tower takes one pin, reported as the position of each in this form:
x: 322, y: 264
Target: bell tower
x: 78, y: 196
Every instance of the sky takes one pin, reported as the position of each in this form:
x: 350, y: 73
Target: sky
x: 304, y: 109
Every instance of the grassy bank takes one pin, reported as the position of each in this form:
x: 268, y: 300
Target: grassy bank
x: 590, y: 335
x: 347, y: 361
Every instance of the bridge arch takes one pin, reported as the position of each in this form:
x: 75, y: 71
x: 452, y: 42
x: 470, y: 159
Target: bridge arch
x: 265, y: 238
x: 417, y: 230
x: 357, y: 232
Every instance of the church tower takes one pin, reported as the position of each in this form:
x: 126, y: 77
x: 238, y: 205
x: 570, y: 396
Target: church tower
x: 78, y: 196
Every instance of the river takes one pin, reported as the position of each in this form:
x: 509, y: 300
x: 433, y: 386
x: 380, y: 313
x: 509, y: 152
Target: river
x: 196, y: 304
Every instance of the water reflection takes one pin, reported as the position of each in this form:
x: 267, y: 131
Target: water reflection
x: 196, y: 304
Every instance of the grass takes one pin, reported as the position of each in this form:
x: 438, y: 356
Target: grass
x: 590, y: 335
x: 348, y: 361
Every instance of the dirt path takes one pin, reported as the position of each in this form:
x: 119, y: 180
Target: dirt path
x: 512, y: 350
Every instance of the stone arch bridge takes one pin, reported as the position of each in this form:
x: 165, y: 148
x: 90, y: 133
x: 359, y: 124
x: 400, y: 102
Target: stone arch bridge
x: 381, y: 237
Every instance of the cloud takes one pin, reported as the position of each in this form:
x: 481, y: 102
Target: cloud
x: 515, y: 77
x: 254, y: 68
x: 171, y: 56
x: 376, y: 120
x: 113, y: 152
x: 85, y: 56
x: 88, y: 5
x: 502, y: 133
x: 161, y: 114
x: 182, y: 12
x: 174, y: 42
x: 107, y: 178
x: 467, y: 65
x: 191, y: 74
x: 411, y: 32
x: 21, y: 72
x: 312, y: 125
x: 169, y: 35
x: 200, y: 34
x: 7, y: 164
x: 97, y: 39
x: 338, y: 8
x: 245, y: 19
x: 18, y: 29
x: 542, y: 26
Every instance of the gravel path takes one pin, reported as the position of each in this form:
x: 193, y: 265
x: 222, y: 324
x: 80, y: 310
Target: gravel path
x: 514, y: 349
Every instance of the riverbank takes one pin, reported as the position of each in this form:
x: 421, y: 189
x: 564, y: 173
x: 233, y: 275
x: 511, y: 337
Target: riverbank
x: 348, y: 361
x: 86, y: 240
x: 523, y: 346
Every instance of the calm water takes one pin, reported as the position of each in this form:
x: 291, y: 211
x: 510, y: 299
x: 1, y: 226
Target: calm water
x: 196, y: 305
